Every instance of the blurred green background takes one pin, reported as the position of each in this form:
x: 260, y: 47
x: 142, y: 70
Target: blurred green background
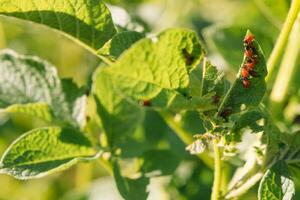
x: 221, y: 24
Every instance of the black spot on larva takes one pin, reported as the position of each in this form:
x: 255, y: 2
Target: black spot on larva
x: 253, y: 73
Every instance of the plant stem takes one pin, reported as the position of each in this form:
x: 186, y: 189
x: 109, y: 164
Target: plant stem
x: 104, y: 59
x: 107, y: 165
x: 203, y: 75
x: 282, y: 38
x: 287, y: 68
x: 216, y: 191
x: 185, y: 137
x: 245, y: 187
x: 2, y: 37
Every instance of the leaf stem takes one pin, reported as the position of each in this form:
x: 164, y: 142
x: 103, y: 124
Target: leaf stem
x: 216, y: 191
x: 107, y: 165
x: 282, y: 38
x: 287, y: 68
x: 245, y: 187
x: 104, y: 59
x: 185, y: 137
x: 203, y: 75
x: 2, y: 36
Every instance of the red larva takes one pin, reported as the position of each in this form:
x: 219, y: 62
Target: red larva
x: 249, y: 38
x: 250, y: 65
x: 246, y: 83
x: 251, y: 59
x: 248, y: 53
x: 244, y: 73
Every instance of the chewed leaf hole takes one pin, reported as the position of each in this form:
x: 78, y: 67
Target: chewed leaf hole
x: 189, y: 59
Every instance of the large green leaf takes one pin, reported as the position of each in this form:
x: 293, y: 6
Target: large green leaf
x: 130, y: 189
x: 39, y: 110
x: 277, y: 184
x: 247, y: 119
x: 30, y: 85
x: 88, y: 21
x: 44, y: 151
x: 159, y: 162
x: 118, y: 115
x: 227, y: 42
x: 158, y: 70
x: 119, y: 43
x: 292, y: 150
x: 239, y: 98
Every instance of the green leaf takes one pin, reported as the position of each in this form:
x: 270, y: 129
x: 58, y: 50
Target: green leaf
x: 239, y: 98
x: 247, y: 119
x: 148, y: 135
x: 159, y: 162
x: 192, y: 123
x: 130, y: 189
x: 43, y: 151
x: 277, y: 184
x: 40, y: 110
x: 274, y: 141
x: 226, y: 41
x: 118, y: 116
x: 87, y: 21
x: 213, y: 81
x: 119, y: 43
x: 31, y: 86
x: 292, y: 149
x: 158, y: 70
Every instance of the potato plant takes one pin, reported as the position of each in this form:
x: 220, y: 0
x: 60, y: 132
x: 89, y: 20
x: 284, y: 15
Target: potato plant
x: 146, y: 80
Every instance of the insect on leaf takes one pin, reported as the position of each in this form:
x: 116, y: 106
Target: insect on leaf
x: 249, y: 86
x: 158, y: 70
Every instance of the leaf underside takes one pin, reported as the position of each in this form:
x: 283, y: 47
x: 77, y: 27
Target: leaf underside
x: 31, y: 86
x: 277, y: 184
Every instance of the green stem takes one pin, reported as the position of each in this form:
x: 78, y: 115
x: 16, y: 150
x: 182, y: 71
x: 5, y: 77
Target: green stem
x: 104, y: 59
x: 185, y: 137
x: 2, y: 36
x: 245, y: 187
x: 203, y: 75
x: 282, y: 38
x: 287, y: 68
x: 216, y: 191
x: 225, y: 178
x: 107, y: 165
x: 95, y: 53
